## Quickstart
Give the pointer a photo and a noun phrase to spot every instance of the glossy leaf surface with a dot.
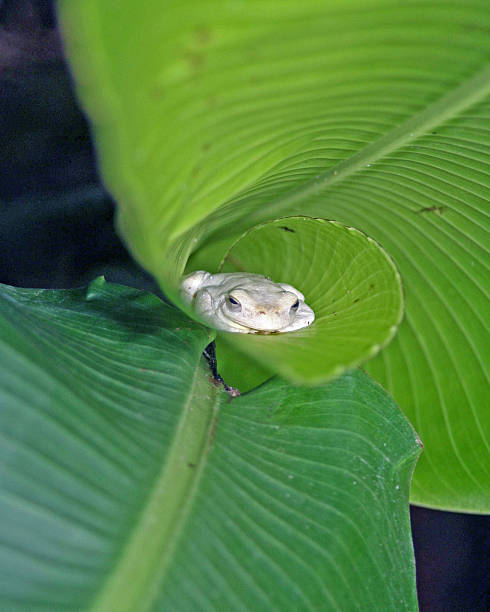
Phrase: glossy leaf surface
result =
(129, 482)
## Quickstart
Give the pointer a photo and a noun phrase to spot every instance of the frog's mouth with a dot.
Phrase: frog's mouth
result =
(263, 331)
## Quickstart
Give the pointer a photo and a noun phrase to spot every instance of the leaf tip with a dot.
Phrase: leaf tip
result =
(95, 287)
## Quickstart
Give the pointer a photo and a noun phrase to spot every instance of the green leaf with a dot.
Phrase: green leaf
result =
(129, 482)
(213, 117)
(348, 280)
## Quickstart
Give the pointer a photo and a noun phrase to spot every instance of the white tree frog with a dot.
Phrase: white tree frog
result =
(246, 303)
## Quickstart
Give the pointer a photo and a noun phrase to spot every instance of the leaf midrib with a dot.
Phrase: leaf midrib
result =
(138, 574)
(468, 93)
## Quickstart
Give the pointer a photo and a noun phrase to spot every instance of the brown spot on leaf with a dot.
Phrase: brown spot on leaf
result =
(235, 262)
(195, 59)
(435, 209)
(212, 433)
(202, 35)
(157, 91)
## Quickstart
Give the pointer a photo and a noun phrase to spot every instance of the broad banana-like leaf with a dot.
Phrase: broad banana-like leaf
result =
(213, 117)
(129, 482)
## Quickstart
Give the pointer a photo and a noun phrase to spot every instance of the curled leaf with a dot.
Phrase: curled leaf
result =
(350, 282)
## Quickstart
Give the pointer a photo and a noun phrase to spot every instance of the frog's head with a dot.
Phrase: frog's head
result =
(265, 308)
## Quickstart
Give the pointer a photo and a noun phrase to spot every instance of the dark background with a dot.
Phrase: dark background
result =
(57, 230)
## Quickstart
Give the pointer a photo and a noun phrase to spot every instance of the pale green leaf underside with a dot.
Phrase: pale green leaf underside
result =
(128, 482)
(372, 113)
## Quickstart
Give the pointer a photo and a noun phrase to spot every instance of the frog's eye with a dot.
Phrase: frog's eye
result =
(234, 303)
(295, 306)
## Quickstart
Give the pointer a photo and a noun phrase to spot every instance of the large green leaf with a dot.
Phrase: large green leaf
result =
(129, 482)
(214, 116)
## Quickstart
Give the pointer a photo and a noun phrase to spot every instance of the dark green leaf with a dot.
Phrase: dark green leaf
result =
(129, 482)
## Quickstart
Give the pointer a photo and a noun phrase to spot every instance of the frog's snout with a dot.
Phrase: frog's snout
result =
(270, 319)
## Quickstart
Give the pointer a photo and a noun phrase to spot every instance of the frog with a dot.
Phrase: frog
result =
(243, 302)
